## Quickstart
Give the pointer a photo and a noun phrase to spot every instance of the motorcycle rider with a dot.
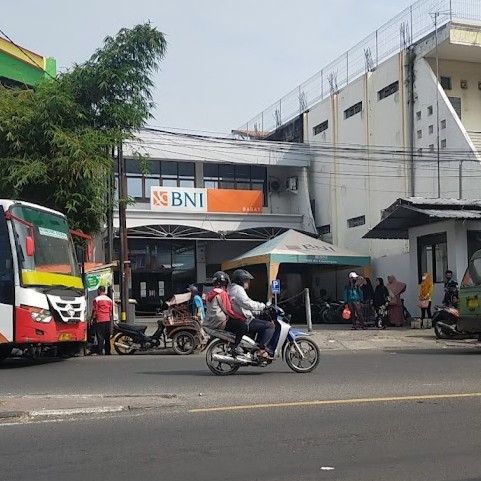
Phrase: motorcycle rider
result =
(248, 308)
(221, 315)
(450, 290)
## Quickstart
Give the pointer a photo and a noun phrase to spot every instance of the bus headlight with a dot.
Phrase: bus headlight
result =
(38, 314)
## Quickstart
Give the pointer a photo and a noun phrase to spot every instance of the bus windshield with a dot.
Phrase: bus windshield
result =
(54, 261)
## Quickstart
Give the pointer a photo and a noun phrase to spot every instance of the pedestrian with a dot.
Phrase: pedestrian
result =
(380, 302)
(426, 295)
(450, 290)
(102, 316)
(353, 298)
(197, 303)
(368, 296)
(395, 311)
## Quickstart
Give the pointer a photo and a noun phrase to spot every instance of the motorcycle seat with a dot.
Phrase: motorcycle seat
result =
(123, 326)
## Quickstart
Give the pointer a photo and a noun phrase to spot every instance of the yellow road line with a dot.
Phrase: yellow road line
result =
(423, 397)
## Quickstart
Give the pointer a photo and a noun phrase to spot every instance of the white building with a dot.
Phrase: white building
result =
(381, 127)
(175, 243)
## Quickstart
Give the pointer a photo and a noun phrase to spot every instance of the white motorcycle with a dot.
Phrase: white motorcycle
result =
(299, 351)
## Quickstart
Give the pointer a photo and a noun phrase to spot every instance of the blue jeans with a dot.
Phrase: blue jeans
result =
(265, 329)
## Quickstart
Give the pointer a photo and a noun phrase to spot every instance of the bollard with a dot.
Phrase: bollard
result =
(307, 300)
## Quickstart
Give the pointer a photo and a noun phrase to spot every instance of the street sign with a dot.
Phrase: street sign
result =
(276, 286)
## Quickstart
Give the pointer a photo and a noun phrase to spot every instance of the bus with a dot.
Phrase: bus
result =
(42, 297)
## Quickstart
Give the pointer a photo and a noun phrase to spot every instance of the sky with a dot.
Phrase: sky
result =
(226, 61)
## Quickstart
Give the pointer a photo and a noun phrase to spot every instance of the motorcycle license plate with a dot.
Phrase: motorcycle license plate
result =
(66, 336)
(473, 302)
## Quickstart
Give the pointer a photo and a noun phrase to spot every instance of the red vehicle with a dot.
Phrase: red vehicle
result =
(42, 301)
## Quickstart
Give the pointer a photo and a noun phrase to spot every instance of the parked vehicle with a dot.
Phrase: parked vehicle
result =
(182, 336)
(42, 301)
(299, 351)
(464, 322)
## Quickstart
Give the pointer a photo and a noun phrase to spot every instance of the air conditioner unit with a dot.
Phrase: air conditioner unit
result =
(275, 185)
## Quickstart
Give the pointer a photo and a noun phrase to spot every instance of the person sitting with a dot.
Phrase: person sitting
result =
(250, 309)
(221, 315)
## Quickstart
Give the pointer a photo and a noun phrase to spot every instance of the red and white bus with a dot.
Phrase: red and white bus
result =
(42, 298)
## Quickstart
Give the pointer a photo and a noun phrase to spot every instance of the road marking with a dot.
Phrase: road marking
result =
(424, 397)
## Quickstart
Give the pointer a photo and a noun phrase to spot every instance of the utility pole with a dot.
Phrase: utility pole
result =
(110, 211)
(436, 15)
(124, 257)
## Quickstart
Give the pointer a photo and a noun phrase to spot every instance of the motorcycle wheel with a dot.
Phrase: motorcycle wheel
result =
(183, 343)
(219, 346)
(439, 333)
(311, 353)
(127, 341)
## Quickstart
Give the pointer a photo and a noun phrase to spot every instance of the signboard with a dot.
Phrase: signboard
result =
(276, 287)
(173, 199)
(97, 279)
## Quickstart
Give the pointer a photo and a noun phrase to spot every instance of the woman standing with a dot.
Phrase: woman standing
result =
(353, 298)
(381, 301)
(426, 295)
(395, 312)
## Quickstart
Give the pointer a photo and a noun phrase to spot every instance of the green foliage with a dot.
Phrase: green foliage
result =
(55, 139)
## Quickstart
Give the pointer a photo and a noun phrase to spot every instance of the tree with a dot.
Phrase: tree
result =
(55, 138)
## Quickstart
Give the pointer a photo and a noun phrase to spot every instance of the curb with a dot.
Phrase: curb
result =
(74, 411)
(12, 414)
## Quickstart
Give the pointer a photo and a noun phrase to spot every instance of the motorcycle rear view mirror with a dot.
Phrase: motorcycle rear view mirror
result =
(30, 246)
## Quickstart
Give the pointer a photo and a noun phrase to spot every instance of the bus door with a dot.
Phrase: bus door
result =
(7, 288)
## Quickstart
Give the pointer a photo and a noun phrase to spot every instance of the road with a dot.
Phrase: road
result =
(398, 437)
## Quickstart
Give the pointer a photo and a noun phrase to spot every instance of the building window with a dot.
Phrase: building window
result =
(431, 129)
(324, 229)
(446, 83)
(321, 127)
(443, 124)
(353, 110)
(419, 134)
(433, 256)
(240, 177)
(474, 242)
(443, 143)
(431, 147)
(456, 103)
(430, 110)
(389, 90)
(356, 221)
(418, 115)
(140, 178)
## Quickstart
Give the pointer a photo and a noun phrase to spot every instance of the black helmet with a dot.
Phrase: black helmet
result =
(220, 278)
(240, 276)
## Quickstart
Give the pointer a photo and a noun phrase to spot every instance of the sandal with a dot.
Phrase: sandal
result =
(262, 353)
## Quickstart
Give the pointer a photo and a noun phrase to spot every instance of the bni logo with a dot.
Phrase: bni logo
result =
(160, 198)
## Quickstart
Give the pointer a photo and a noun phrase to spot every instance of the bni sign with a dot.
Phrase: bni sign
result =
(172, 199)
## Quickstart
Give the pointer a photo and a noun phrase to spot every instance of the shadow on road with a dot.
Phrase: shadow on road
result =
(17, 363)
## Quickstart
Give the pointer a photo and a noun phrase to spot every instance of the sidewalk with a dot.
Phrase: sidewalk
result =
(340, 337)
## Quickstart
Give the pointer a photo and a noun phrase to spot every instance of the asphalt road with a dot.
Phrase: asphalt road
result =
(395, 441)
(340, 375)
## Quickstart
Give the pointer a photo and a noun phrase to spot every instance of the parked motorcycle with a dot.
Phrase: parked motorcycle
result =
(444, 322)
(183, 337)
(299, 351)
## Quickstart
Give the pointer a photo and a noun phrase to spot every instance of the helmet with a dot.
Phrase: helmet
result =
(193, 289)
(220, 278)
(240, 276)
(353, 275)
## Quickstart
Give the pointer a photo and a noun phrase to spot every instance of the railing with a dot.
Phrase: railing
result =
(414, 23)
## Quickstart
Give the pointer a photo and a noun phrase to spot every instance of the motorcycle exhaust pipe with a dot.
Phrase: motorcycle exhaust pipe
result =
(447, 328)
(125, 346)
(229, 359)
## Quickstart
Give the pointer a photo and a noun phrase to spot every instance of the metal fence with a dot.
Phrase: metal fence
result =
(414, 23)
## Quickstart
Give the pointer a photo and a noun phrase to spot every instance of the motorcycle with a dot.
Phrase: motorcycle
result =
(300, 352)
(444, 322)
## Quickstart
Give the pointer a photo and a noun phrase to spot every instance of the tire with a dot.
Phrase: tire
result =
(183, 343)
(124, 339)
(326, 316)
(219, 346)
(308, 347)
(5, 351)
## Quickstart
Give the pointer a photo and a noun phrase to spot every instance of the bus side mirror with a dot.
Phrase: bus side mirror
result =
(30, 246)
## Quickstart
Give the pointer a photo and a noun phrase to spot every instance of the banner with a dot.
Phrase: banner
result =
(172, 199)
(100, 278)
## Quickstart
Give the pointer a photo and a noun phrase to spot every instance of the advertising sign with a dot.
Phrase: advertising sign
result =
(172, 199)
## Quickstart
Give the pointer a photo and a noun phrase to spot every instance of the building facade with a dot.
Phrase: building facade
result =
(198, 202)
(397, 116)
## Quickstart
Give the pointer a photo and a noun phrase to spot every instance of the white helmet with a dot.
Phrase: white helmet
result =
(353, 275)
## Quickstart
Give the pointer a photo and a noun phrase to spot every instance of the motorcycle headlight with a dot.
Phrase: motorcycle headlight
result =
(38, 314)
